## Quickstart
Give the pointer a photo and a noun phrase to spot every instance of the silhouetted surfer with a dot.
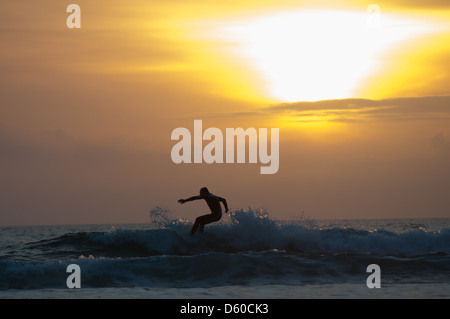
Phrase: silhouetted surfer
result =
(213, 202)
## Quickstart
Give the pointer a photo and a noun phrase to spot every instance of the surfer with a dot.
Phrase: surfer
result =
(213, 202)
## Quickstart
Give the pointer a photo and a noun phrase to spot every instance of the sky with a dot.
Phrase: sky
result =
(359, 91)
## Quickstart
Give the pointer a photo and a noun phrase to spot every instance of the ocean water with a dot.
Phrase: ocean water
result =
(249, 255)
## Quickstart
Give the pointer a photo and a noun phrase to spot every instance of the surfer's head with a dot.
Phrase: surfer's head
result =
(204, 191)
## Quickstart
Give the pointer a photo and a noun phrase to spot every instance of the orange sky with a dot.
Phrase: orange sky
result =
(86, 115)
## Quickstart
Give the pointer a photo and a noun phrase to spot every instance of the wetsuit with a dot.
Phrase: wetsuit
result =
(213, 202)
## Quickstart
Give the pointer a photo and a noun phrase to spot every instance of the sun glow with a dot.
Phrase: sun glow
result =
(315, 55)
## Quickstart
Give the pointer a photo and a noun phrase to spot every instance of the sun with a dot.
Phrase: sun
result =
(312, 55)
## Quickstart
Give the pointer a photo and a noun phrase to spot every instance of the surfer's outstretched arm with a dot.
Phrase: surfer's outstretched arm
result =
(182, 201)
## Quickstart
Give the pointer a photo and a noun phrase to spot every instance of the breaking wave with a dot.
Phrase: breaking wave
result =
(251, 249)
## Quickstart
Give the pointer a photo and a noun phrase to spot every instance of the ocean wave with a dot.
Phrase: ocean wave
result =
(249, 230)
(251, 249)
(215, 269)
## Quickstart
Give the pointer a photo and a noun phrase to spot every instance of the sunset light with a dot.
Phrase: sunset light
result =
(225, 150)
(314, 54)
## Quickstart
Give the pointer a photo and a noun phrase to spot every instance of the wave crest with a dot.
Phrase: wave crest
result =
(247, 230)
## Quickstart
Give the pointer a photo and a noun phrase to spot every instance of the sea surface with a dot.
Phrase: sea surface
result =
(249, 255)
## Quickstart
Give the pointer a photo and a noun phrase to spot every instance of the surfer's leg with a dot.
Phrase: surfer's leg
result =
(200, 221)
(208, 219)
(194, 228)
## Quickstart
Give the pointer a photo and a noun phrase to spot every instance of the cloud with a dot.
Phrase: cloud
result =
(432, 4)
(358, 110)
